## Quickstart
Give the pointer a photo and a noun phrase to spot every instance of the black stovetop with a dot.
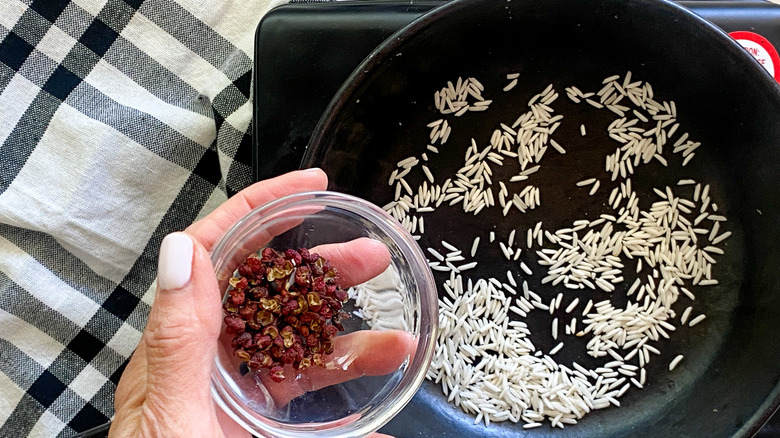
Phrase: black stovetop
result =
(305, 51)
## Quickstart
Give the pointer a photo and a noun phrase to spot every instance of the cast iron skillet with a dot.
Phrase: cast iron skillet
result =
(727, 384)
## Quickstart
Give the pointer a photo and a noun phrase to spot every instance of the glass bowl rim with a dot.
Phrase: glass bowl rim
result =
(381, 412)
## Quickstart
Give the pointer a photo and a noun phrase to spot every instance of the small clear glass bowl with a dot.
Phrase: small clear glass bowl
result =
(388, 341)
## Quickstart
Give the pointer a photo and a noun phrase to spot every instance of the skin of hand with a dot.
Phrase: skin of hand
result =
(165, 389)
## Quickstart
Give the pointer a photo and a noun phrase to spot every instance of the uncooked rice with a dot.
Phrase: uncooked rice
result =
(485, 359)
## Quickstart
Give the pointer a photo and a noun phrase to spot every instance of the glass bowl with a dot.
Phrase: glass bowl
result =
(379, 360)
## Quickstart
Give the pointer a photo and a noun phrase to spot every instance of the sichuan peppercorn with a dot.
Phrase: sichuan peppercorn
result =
(283, 308)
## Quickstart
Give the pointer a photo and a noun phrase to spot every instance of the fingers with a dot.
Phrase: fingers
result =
(179, 343)
(132, 386)
(211, 228)
(229, 427)
(362, 353)
(165, 389)
(357, 261)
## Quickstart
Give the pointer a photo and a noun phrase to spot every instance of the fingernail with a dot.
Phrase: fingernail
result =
(174, 267)
(313, 170)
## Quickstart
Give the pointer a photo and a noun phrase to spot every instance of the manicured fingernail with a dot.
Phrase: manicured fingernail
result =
(174, 267)
(313, 170)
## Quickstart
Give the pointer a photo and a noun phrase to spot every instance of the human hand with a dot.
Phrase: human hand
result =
(165, 389)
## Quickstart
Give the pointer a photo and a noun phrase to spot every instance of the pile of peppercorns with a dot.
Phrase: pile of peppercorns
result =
(284, 308)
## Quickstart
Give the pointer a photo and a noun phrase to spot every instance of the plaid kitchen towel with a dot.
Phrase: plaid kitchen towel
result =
(120, 122)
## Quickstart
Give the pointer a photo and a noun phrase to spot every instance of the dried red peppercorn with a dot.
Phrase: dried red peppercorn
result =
(243, 340)
(277, 373)
(235, 324)
(284, 308)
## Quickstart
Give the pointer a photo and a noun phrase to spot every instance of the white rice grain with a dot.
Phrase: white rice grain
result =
(697, 320)
(594, 188)
(675, 361)
(474, 246)
(572, 305)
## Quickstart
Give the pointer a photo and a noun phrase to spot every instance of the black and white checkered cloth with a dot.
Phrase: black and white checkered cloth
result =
(120, 122)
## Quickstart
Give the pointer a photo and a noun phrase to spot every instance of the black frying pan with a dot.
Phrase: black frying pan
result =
(728, 382)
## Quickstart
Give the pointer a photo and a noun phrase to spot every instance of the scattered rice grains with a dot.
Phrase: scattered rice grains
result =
(486, 361)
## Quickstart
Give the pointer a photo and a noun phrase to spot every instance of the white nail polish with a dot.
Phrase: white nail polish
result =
(174, 267)
(313, 170)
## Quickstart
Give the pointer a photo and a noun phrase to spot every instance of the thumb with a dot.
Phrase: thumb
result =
(184, 323)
